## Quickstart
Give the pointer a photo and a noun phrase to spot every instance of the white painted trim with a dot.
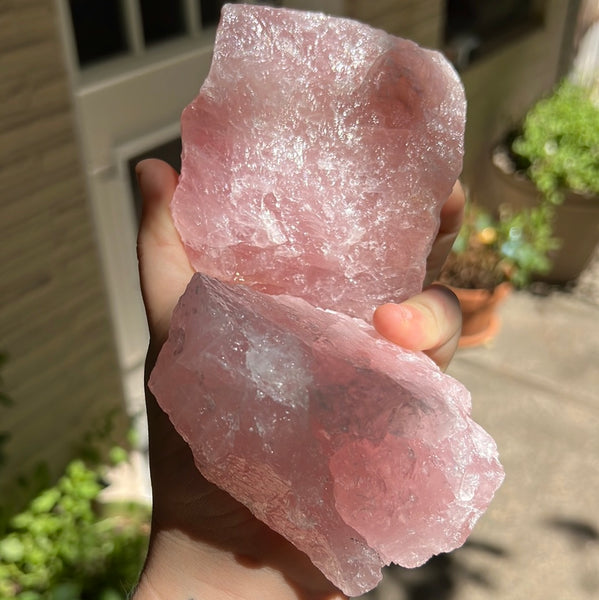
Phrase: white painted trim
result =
(133, 26)
(66, 32)
(126, 151)
(116, 228)
(121, 115)
(192, 17)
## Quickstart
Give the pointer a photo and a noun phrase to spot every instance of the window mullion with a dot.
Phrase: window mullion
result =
(134, 27)
(192, 17)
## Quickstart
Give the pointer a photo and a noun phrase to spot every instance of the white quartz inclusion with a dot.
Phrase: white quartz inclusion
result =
(278, 367)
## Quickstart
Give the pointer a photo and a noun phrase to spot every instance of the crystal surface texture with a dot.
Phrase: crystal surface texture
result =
(316, 158)
(357, 451)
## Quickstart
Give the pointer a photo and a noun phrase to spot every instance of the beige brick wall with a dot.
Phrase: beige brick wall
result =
(62, 370)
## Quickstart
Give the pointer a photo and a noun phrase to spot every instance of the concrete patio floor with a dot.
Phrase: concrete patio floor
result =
(536, 390)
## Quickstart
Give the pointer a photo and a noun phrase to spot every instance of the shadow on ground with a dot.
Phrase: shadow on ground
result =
(437, 579)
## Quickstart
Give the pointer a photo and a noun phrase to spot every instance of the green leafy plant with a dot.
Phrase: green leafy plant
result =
(558, 145)
(68, 546)
(489, 251)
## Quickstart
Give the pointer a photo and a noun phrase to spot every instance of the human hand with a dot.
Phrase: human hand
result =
(204, 544)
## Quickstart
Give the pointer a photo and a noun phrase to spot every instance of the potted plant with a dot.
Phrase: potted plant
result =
(491, 256)
(553, 162)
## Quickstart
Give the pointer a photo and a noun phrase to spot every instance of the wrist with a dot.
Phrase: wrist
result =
(179, 567)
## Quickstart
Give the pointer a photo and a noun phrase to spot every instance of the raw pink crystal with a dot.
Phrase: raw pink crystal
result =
(316, 158)
(359, 452)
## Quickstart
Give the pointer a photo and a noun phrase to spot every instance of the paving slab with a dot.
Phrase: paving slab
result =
(536, 390)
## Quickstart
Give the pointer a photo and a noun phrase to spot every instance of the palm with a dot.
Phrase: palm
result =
(183, 500)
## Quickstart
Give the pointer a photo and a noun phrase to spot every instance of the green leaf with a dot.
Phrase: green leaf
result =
(45, 502)
(66, 591)
(111, 594)
(560, 141)
(11, 549)
(29, 595)
(118, 455)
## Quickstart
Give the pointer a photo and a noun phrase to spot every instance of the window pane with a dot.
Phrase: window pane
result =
(99, 30)
(210, 11)
(476, 27)
(161, 20)
(484, 17)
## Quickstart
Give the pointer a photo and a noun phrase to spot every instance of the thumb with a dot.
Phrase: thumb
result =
(430, 322)
(164, 269)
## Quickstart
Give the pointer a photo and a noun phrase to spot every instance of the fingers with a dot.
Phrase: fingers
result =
(452, 214)
(163, 265)
(430, 322)
(452, 211)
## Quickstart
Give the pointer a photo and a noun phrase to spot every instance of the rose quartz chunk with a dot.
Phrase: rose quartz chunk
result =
(357, 451)
(316, 158)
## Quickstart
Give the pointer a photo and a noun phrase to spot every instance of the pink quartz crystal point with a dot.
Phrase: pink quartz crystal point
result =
(316, 158)
(357, 451)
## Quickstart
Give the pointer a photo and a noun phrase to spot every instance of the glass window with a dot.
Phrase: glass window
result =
(210, 12)
(161, 20)
(98, 28)
(476, 27)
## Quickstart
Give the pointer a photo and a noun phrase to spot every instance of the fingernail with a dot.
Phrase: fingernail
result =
(403, 312)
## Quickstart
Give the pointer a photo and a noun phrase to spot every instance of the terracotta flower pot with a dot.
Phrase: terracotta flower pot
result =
(480, 321)
(576, 219)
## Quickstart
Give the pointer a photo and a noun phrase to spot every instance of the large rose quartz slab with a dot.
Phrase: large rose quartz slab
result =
(357, 451)
(316, 158)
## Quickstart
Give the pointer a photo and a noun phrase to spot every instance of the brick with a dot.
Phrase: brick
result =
(25, 100)
(25, 22)
(50, 162)
(64, 194)
(22, 139)
(42, 58)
